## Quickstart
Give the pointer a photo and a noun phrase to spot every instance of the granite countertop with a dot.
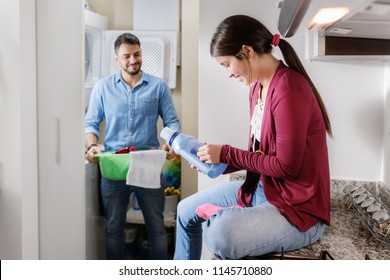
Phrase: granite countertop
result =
(347, 238)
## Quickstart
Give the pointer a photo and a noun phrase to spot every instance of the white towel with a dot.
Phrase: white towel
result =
(145, 168)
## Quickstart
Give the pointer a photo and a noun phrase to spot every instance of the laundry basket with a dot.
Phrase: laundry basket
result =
(114, 166)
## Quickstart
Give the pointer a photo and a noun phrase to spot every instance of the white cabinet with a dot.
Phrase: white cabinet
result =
(42, 155)
(327, 48)
(59, 43)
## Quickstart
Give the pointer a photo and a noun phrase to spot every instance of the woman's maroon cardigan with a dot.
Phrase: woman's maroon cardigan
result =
(294, 168)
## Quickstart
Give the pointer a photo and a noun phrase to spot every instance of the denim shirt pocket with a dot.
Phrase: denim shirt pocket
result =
(147, 106)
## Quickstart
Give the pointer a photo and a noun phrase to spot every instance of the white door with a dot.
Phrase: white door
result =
(60, 84)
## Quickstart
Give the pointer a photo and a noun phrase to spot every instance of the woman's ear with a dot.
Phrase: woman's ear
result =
(247, 50)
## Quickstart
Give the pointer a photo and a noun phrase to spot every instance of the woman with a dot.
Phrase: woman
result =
(284, 202)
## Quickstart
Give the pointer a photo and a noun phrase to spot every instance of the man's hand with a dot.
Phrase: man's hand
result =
(170, 152)
(90, 155)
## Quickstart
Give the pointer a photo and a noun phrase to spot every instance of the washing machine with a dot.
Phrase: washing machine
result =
(95, 25)
(159, 52)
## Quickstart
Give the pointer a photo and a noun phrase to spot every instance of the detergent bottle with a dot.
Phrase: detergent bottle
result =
(187, 147)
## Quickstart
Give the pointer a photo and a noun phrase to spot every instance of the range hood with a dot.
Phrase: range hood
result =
(291, 15)
(365, 31)
(367, 18)
(370, 20)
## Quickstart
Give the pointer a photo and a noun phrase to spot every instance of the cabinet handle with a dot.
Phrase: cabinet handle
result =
(57, 140)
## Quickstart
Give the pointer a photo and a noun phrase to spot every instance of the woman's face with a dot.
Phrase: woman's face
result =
(237, 68)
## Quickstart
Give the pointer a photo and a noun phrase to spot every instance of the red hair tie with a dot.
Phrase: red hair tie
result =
(275, 40)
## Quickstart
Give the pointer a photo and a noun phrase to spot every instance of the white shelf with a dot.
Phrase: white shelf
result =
(136, 217)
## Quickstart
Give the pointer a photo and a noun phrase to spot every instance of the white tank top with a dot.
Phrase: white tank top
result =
(256, 121)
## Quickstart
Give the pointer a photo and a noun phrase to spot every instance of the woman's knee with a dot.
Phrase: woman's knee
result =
(220, 237)
(186, 207)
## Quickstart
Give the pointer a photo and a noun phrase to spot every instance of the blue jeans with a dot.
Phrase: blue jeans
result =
(116, 196)
(233, 233)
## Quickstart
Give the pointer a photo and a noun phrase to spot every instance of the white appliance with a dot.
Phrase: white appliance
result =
(159, 52)
(95, 25)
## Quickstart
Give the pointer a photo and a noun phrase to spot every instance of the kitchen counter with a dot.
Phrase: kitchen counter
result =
(347, 238)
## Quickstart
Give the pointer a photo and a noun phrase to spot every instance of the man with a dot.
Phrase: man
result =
(131, 102)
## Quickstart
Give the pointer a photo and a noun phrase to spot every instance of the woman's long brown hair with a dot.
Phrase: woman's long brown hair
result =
(239, 30)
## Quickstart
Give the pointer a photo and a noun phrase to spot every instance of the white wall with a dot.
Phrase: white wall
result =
(355, 104)
(118, 12)
(189, 86)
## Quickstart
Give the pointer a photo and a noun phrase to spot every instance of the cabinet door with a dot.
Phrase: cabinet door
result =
(60, 106)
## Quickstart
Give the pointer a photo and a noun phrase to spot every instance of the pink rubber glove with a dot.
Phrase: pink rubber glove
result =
(205, 211)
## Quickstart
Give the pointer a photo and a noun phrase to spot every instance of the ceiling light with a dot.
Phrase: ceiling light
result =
(326, 16)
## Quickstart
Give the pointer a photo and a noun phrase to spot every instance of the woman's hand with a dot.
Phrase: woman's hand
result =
(209, 153)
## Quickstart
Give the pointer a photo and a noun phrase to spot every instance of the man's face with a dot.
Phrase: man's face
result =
(129, 57)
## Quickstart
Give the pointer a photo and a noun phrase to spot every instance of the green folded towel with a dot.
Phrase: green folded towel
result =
(114, 166)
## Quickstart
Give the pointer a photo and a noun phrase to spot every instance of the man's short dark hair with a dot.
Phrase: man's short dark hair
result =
(126, 38)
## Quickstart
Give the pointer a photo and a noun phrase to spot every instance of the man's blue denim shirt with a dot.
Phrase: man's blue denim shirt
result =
(130, 114)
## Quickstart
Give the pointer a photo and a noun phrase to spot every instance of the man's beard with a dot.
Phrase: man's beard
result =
(132, 72)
